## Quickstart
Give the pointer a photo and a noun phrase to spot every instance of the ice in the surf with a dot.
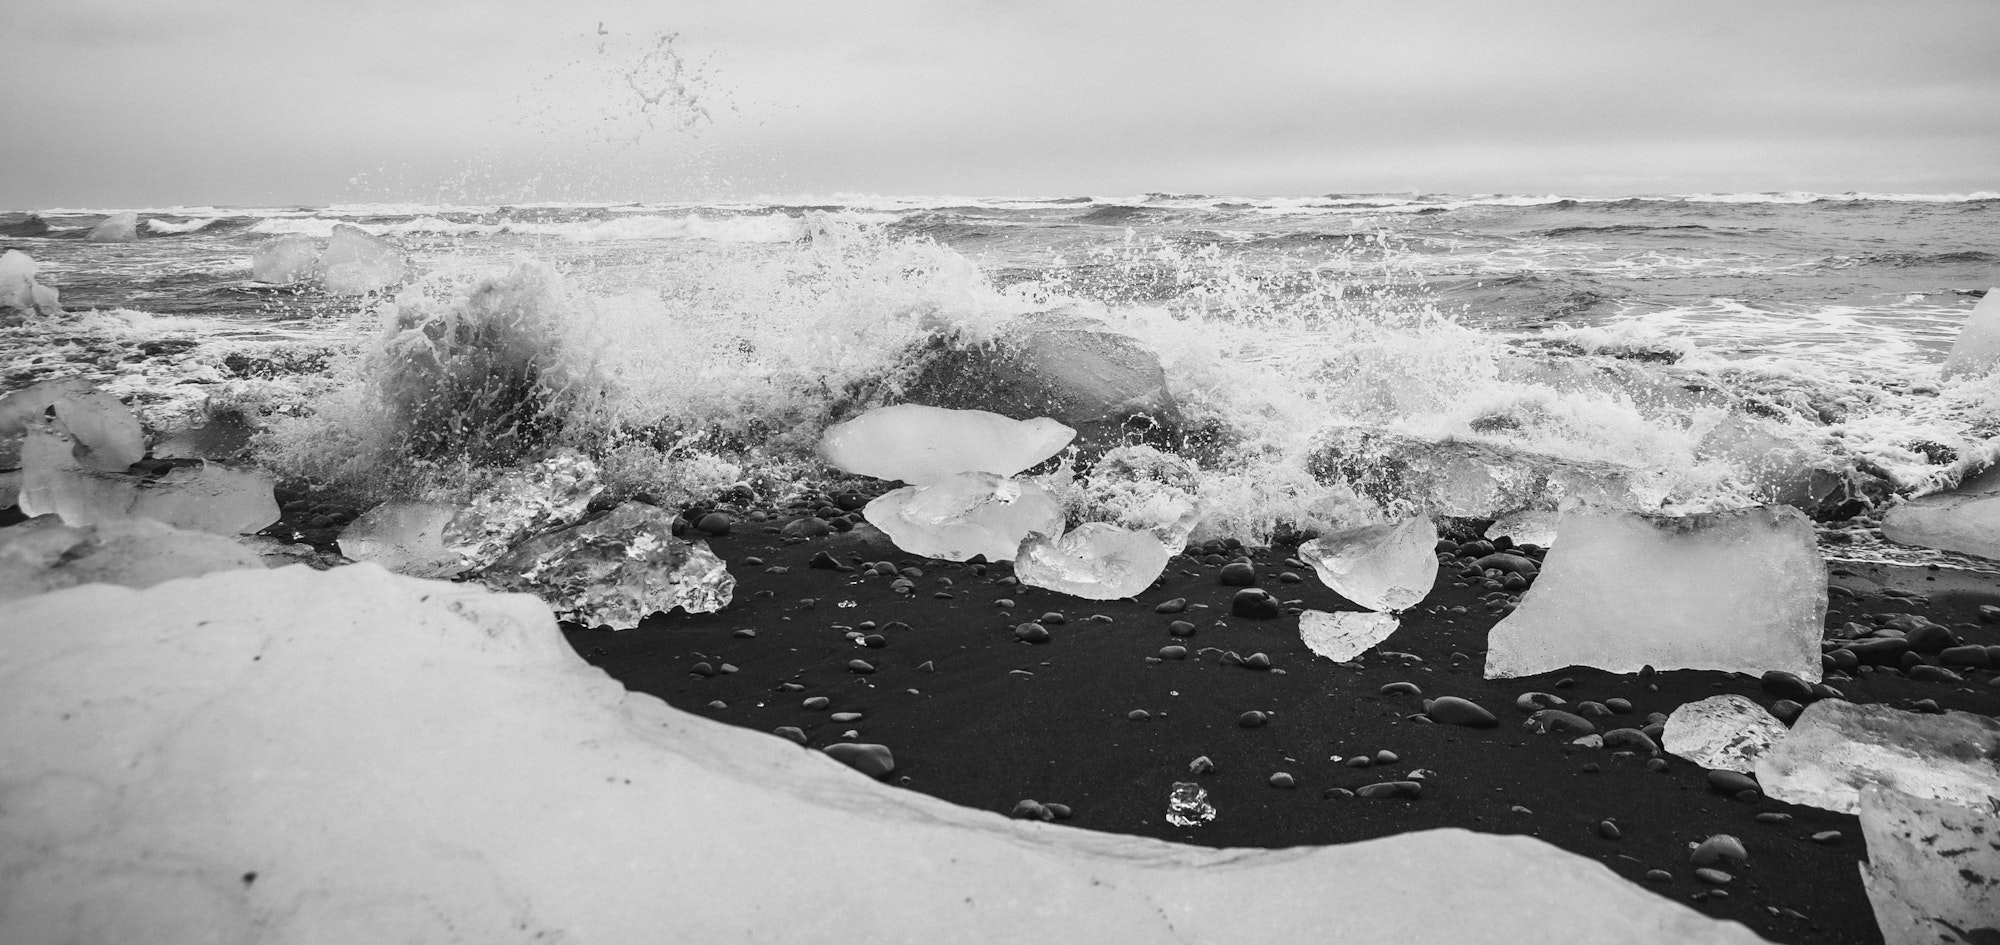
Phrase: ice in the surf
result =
(121, 227)
(1836, 748)
(1385, 568)
(1728, 732)
(285, 260)
(196, 495)
(20, 294)
(105, 434)
(533, 498)
(966, 514)
(1965, 519)
(1977, 349)
(356, 262)
(1739, 591)
(617, 568)
(1933, 869)
(406, 536)
(42, 554)
(1139, 487)
(1095, 561)
(922, 445)
(1474, 478)
(1343, 635)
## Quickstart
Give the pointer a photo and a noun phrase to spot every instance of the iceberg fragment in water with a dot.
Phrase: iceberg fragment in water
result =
(120, 227)
(922, 445)
(1384, 568)
(42, 554)
(393, 748)
(535, 498)
(971, 513)
(1977, 349)
(616, 569)
(196, 495)
(1141, 488)
(1933, 870)
(1343, 635)
(105, 434)
(1740, 591)
(405, 536)
(285, 260)
(1729, 732)
(1094, 561)
(1472, 478)
(1965, 520)
(356, 263)
(19, 292)
(1836, 748)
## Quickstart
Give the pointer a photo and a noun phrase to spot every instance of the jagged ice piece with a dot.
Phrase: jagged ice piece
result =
(406, 537)
(923, 445)
(356, 263)
(19, 292)
(1094, 561)
(199, 496)
(1741, 591)
(535, 498)
(417, 761)
(1343, 635)
(1141, 488)
(616, 569)
(1728, 732)
(971, 513)
(1933, 869)
(1836, 748)
(42, 554)
(1977, 349)
(285, 260)
(1384, 568)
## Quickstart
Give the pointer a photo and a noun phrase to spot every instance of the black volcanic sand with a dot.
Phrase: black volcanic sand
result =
(995, 720)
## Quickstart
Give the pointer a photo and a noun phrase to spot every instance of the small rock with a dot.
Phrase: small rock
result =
(1453, 710)
(1333, 792)
(1383, 789)
(1061, 811)
(1560, 722)
(1786, 711)
(1138, 715)
(1257, 661)
(1401, 689)
(1929, 673)
(1619, 706)
(1828, 837)
(1173, 652)
(702, 669)
(1031, 810)
(1786, 685)
(1730, 782)
(1718, 848)
(874, 761)
(791, 732)
(1282, 780)
(1532, 702)
(715, 523)
(1032, 633)
(1714, 876)
(1238, 574)
(1631, 739)
(1386, 757)
(1053, 619)
(827, 562)
(1181, 628)
(860, 666)
(1201, 765)
(1255, 604)
(1175, 606)
(1659, 876)
(1773, 817)
(1609, 830)
(816, 703)
(1252, 719)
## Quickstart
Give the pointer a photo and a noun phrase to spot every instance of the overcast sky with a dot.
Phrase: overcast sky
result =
(136, 103)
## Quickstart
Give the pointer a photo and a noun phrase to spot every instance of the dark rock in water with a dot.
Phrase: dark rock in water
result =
(1453, 710)
(874, 761)
(1105, 385)
(1238, 574)
(1255, 604)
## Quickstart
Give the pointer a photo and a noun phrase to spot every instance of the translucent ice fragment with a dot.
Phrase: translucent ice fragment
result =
(1836, 748)
(356, 263)
(106, 434)
(1475, 478)
(1741, 591)
(285, 260)
(1095, 561)
(1977, 349)
(1141, 488)
(1188, 806)
(1344, 635)
(1933, 870)
(616, 569)
(406, 537)
(43, 554)
(121, 227)
(196, 495)
(1527, 527)
(19, 292)
(546, 495)
(1728, 732)
(1385, 568)
(922, 445)
(1966, 519)
(967, 514)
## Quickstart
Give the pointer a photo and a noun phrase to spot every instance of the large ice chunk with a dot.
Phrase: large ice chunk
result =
(1141, 488)
(405, 536)
(1933, 870)
(1977, 349)
(971, 513)
(1966, 519)
(1343, 635)
(1729, 732)
(42, 554)
(1385, 568)
(1095, 561)
(195, 495)
(1836, 748)
(922, 445)
(356, 263)
(616, 569)
(400, 760)
(534, 498)
(19, 292)
(106, 433)
(1741, 591)
(120, 227)
(285, 260)
(1474, 478)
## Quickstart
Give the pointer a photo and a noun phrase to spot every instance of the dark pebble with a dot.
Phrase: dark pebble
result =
(1032, 633)
(1138, 715)
(1786, 685)
(1973, 656)
(1173, 652)
(1561, 723)
(1333, 792)
(1718, 848)
(1730, 782)
(1453, 710)
(1031, 810)
(1828, 837)
(827, 562)
(874, 641)
(1786, 711)
(1929, 673)
(1930, 638)
(1619, 706)
(1382, 789)
(1061, 811)
(1282, 780)
(860, 666)
(1534, 701)
(1257, 661)
(1717, 877)
(1181, 628)
(715, 523)
(791, 732)
(1773, 817)
(816, 703)
(1631, 739)
(1255, 604)
(1386, 757)
(872, 760)
(1609, 830)
(1593, 710)
(1238, 574)
(1053, 619)
(1252, 719)
(702, 669)
(1174, 606)
(1401, 689)
(1659, 876)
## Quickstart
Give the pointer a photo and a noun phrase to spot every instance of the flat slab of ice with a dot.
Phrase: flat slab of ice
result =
(42, 554)
(967, 514)
(921, 445)
(1384, 568)
(1965, 520)
(1837, 748)
(1977, 349)
(1727, 732)
(1094, 561)
(1933, 870)
(206, 497)
(1343, 635)
(1741, 591)
(400, 760)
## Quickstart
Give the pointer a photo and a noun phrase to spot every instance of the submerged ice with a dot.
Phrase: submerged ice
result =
(1727, 732)
(922, 445)
(1385, 568)
(1741, 591)
(967, 514)
(63, 475)
(1837, 748)
(1965, 519)
(1095, 561)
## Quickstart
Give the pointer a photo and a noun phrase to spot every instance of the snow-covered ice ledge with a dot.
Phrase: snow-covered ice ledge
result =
(354, 756)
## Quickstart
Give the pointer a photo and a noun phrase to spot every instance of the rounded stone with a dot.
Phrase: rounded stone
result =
(1560, 722)
(1730, 782)
(1716, 877)
(1717, 849)
(1138, 715)
(1401, 689)
(1536, 701)
(1631, 739)
(1387, 789)
(1255, 604)
(1257, 661)
(1786, 685)
(1282, 779)
(1173, 652)
(1174, 606)
(1238, 574)
(1453, 710)
(716, 523)
(1032, 633)
(790, 732)
(874, 761)
(1031, 810)
(1252, 719)
(862, 667)
(1180, 628)
(1659, 876)
(816, 703)
(1609, 830)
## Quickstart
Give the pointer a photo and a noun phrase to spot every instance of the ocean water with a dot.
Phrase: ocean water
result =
(703, 345)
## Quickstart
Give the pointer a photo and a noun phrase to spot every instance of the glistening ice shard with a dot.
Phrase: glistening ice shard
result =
(973, 513)
(1095, 561)
(1384, 568)
(1344, 635)
(922, 445)
(1741, 591)
(616, 569)
(1728, 732)
(1837, 748)
(1933, 870)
